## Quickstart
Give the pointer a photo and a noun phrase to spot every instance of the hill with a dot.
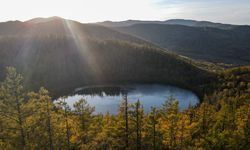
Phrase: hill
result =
(55, 26)
(61, 58)
(210, 44)
(191, 23)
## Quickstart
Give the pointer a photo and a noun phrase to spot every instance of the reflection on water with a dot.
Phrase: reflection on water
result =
(107, 98)
(104, 90)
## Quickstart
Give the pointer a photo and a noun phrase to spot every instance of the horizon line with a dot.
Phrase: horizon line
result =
(117, 21)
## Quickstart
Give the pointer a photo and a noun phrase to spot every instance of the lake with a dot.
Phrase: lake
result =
(107, 98)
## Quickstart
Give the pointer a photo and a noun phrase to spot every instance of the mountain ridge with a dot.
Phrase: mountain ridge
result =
(230, 46)
(185, 22)
(60, 26)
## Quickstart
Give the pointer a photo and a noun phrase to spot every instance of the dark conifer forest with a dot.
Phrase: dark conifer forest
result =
(54, 57)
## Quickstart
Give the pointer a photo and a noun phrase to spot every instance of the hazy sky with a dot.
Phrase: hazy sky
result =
(226, 11)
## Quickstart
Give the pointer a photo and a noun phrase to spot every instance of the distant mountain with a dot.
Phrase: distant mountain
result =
(62, 55)
(230, 46)
(192, 23)
(126, 23)
(61, 27)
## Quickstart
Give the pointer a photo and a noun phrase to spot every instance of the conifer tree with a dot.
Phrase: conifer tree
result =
(83, 112)
(13, 109)
(137, 117)
(169, 120)
(41, 119)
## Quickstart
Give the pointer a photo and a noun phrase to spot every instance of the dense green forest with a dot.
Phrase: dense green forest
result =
(31, 120)
(197, 42)
(61, 55)
(61, 64)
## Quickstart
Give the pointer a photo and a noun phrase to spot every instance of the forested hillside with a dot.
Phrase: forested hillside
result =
(30, 120)
(55, 26)
(210, 44)
(57, 62)
(62, 58)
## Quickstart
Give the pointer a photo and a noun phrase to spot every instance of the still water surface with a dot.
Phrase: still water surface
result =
(107, 98)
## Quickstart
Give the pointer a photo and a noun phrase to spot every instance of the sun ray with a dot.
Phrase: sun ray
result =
(81, 42)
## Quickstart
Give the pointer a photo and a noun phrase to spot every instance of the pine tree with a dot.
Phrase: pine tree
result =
(137, 117)
(122, 125)
(65, 111)
(41, 119)
(153, 136)
(169, 120)
(106, 138)
(13, 111)
(83, 112)
(126, 119)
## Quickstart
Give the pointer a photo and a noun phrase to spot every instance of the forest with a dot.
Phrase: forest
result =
(60, 63)
(31, 120)
(197, 42)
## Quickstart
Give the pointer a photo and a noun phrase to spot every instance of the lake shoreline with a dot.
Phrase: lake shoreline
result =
(107, 98)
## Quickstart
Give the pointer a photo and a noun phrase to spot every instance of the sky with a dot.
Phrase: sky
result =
(224, 11)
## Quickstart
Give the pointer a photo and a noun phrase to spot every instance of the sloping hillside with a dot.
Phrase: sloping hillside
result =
(210, 44)
(62, 60)
(56, 26)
